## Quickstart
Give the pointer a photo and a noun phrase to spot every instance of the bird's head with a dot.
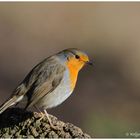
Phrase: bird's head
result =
(75, 58)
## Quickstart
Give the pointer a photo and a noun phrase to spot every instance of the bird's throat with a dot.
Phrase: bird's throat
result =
(73, 72)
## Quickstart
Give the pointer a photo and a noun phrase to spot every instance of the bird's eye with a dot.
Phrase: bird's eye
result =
(77, 56)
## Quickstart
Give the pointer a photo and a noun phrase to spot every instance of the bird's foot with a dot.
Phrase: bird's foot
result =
(39, 115)
(54, 127)
(42, 115)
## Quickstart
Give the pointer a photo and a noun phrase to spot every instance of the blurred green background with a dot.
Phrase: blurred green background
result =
(106, 100)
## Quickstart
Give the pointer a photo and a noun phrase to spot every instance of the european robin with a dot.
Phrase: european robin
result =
(50, 82)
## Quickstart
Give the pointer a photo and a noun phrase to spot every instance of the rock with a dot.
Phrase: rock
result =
(18, 123)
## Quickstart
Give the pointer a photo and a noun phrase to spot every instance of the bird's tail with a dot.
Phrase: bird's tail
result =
(18, 95)
(9, 103)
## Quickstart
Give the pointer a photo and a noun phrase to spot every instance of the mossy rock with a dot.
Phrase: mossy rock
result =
(18, 123)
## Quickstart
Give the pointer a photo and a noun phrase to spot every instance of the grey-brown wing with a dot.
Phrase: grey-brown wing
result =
(43, 79)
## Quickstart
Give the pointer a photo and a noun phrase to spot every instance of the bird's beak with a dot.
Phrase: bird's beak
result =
(90, 63)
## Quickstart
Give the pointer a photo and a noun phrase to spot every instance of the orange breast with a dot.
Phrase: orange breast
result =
(74, 67)
(73, 74)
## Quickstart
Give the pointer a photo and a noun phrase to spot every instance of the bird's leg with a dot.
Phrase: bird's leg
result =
(47, 115)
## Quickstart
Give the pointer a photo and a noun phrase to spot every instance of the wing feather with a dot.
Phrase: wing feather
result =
(43, 79)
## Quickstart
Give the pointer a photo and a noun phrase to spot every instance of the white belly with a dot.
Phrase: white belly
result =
(59, 95)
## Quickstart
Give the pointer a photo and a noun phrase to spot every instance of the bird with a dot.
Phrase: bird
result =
(50, 82)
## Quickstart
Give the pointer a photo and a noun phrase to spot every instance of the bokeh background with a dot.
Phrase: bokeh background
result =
(106, 100)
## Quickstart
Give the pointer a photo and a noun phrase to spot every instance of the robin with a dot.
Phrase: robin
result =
(50, 82)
